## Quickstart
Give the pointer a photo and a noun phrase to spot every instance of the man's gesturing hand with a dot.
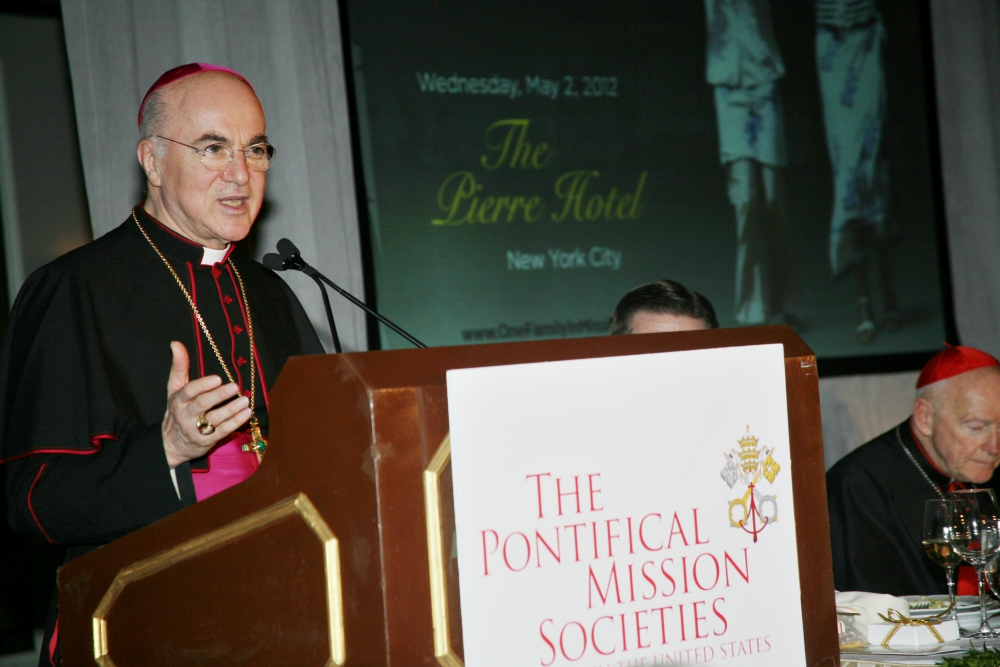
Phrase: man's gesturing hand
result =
(186, 400)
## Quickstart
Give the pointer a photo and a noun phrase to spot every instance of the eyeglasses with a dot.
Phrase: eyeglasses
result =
(218, 156)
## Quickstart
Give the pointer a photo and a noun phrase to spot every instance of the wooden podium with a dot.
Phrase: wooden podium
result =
(322, 557)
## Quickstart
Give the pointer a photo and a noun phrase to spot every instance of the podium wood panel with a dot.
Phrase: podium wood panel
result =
(352, 434)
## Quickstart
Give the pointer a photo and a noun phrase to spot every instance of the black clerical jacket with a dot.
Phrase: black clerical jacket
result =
(876, 497)
(83, 376)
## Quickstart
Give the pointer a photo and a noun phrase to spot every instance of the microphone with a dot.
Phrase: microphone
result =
(288, 249)
(277, 262)
(291, 258)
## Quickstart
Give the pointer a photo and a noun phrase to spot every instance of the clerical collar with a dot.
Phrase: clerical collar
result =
(179, 248)
(212, 256)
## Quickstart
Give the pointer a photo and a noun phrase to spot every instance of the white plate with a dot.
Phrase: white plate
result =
(969, 620)
(953, 648)
(962, 603)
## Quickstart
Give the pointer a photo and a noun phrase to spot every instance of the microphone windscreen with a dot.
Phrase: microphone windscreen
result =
(287, 248)
(274, 261)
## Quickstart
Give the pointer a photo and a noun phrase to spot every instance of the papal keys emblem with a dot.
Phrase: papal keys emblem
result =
(755, 511)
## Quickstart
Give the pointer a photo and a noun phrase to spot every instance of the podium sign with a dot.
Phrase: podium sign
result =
(627, 510)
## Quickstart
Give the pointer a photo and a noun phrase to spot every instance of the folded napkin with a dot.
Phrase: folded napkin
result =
(870, 605)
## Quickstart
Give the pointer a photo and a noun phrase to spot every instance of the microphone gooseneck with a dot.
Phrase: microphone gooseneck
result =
(329, 315)
(291, 258)
(284, 261)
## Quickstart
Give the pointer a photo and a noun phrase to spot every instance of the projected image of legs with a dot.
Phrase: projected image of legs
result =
(744, 66)
(853, 89)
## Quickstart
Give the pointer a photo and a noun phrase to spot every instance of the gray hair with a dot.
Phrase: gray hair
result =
(928, 391)
(154, 114)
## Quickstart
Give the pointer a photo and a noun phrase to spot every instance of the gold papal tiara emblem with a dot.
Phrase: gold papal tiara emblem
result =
(746, 466)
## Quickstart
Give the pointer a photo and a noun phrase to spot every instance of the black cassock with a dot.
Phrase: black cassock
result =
(876, 497)
(85, 362)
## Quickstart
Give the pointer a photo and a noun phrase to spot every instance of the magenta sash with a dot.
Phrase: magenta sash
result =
(228, 465)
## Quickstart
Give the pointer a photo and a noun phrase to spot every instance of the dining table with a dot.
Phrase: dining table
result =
(879, 657)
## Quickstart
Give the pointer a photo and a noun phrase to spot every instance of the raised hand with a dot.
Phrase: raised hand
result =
(200, 412)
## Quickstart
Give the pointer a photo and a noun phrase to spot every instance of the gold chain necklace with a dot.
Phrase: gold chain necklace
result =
(913, 460)
(259, 445)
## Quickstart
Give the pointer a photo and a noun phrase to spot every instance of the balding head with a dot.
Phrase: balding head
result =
(957, 421)
(208, 111)
(155, 106)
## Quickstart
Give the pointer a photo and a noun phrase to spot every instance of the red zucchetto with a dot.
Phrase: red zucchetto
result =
(954, 360)
(182, 71)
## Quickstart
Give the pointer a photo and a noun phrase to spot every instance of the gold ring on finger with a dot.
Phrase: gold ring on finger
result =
(204, 426)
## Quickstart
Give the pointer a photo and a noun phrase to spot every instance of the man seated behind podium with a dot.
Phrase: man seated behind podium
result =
(135, 370)
(663, 305)
(876, 493)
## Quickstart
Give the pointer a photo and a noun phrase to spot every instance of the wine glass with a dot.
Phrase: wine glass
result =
(937, 528)
(975, 535)
(991, 578)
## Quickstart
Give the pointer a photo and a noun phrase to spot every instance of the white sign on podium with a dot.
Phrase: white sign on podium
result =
(626, 511)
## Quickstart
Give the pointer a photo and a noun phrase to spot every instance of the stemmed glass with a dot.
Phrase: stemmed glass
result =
(937, 528)
(975, 535)
(991, 579)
